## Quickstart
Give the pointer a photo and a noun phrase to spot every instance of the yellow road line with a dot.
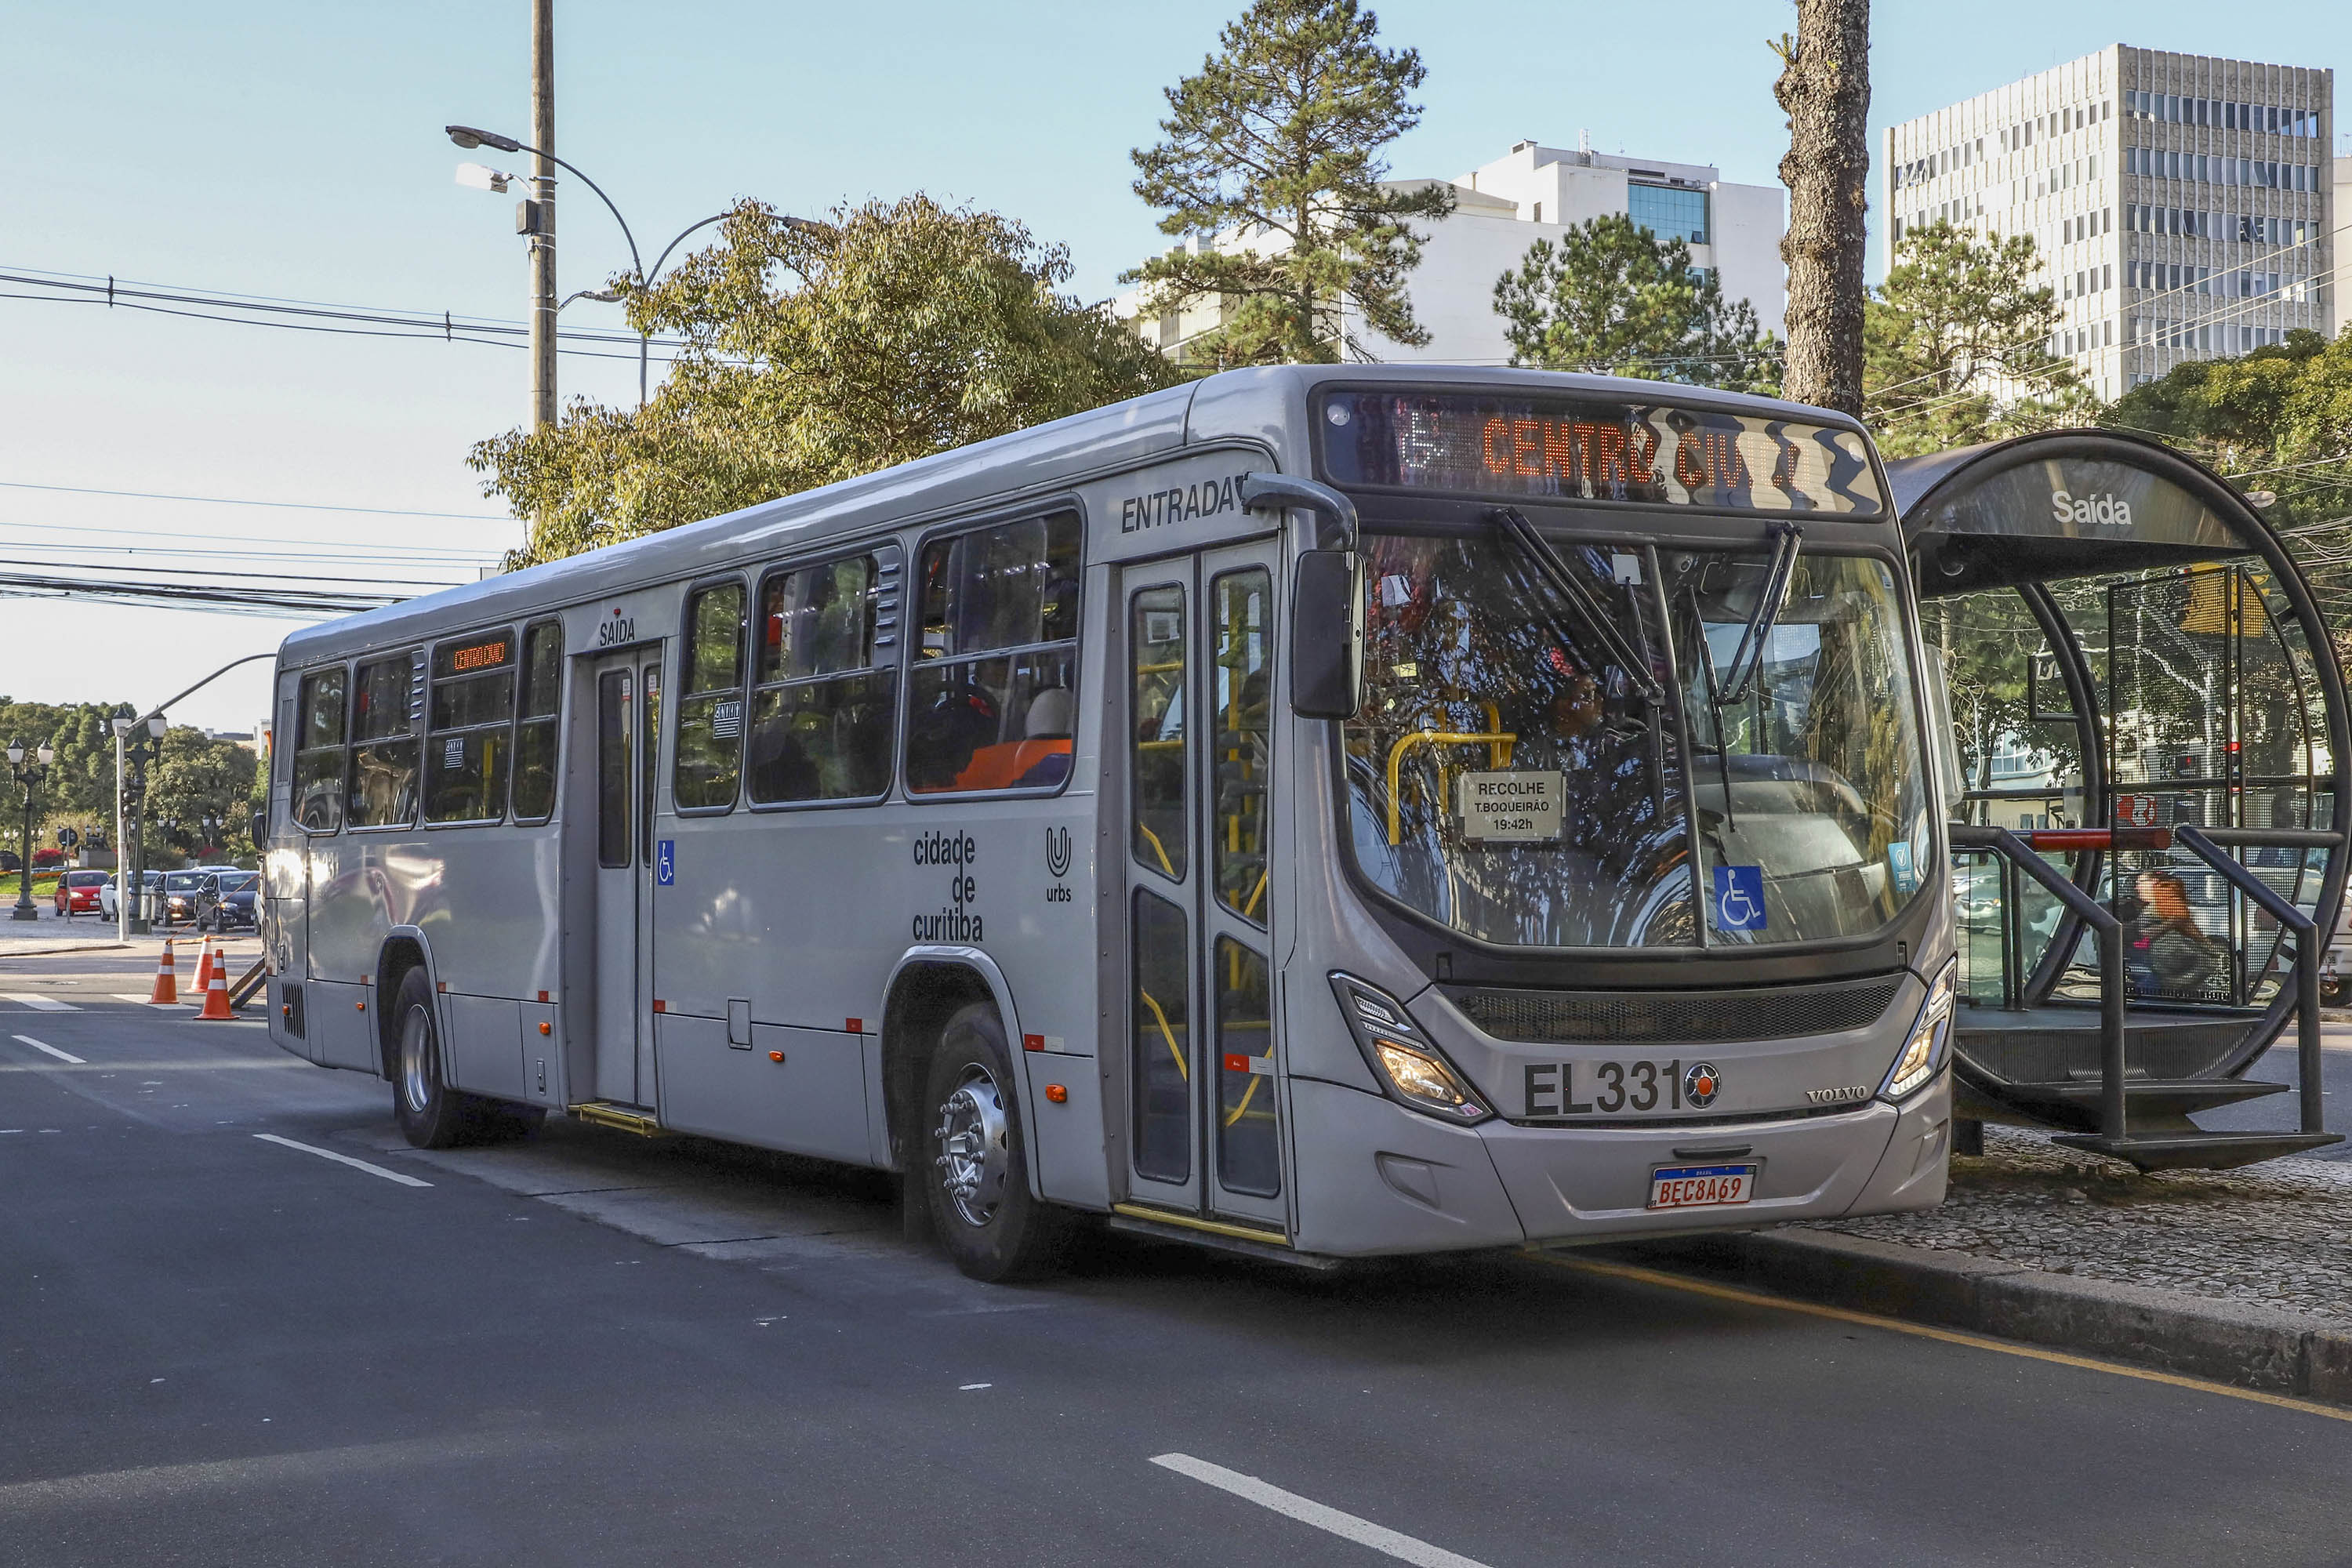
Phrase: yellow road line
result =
(1923, 1331)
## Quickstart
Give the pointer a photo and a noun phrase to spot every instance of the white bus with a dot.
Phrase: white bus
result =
(1322, 811)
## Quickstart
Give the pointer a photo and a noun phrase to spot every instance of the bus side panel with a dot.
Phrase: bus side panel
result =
(349, 920)
(1067, 1135)
(486, 1046)
(486, 905)
(811, 1103)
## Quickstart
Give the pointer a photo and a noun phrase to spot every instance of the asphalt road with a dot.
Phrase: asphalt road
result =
(587, 1348)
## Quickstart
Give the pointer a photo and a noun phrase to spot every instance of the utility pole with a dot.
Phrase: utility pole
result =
(542, 238)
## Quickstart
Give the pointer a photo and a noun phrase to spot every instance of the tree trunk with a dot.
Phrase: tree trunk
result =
(1825, 89)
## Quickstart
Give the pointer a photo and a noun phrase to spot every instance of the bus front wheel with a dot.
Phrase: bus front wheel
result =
(975, 1156)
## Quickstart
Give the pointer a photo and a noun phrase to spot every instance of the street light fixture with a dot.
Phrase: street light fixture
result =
(471, 136)
(27, 775)
(482, 177)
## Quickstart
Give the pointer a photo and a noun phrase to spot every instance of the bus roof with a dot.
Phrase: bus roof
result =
(1264, 404)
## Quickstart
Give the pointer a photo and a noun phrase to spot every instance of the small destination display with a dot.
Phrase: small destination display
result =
(1513, 806)
(469, 659)
(1554, 449)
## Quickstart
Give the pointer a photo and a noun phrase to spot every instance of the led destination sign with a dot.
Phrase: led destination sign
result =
(1554, 449)
(465, 658)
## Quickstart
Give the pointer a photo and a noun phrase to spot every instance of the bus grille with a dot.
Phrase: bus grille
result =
(1697, 1017)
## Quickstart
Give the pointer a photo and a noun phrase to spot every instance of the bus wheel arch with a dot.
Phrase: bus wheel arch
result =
(402, 952)
(925, 992)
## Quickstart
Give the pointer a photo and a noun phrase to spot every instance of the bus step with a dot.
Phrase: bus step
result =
(2166, 1096)
(625, 1117)
(1248, 1240)
(2197, 1151)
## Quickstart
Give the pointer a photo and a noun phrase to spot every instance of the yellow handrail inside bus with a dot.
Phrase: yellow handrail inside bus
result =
(1498, 743)
(1157, 848)
(1166, 1033)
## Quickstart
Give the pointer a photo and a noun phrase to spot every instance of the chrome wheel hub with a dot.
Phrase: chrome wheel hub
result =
(416, 1060)
(975, 1147)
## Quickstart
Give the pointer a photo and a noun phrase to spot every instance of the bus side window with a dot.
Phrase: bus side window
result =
(1156, 670)
(470, 721)
(383, 788)
(710, 757)
(535, 731)
(318, 751)
(1243, 743)
(821, 710)
(991, 705)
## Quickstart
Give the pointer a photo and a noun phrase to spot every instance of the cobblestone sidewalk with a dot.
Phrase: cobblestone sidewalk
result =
(2277, 1234)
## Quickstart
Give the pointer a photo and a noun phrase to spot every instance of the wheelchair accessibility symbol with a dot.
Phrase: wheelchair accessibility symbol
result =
(1739, 897)
(665, 863)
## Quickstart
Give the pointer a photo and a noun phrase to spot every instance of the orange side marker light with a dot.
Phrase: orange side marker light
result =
(775, 1056)
(545, 1028)
(1057, 1094)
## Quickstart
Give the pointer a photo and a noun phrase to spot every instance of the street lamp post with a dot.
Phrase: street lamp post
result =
(27, 774)
(135, 742)
(469, 136)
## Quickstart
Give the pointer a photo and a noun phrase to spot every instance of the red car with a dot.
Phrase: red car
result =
(78, 892)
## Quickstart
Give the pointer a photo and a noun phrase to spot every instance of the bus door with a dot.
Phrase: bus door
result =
(1203, 1108)
(627, 716)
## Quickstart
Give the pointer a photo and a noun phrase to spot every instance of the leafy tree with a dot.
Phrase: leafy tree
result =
(815, 353)
(1824, 88)
(1957, 343)
(194, 777)
(1616, 299)
(1272, 167)
(79, 790)
(2277, 419)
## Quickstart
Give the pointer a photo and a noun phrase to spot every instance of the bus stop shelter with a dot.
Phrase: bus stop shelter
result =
(2148, 758)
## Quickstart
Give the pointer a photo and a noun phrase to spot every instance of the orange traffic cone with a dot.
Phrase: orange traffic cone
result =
(167, 985)
(217, 999)
(205, 967)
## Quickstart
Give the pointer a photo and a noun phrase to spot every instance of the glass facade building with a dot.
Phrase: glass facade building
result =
(2180, 203)
(1670, 212)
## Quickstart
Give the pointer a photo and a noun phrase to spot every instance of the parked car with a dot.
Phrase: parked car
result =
(78, 892)
(183, 897)
(234, 895)
(108, 902)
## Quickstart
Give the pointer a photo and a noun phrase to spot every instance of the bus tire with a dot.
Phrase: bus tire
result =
(431, 1115)
(974, 1157)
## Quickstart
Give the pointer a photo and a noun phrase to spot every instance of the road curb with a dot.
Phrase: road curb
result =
(43, 950)
(2240, 1343)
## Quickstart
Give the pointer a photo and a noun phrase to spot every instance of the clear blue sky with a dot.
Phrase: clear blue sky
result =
(295, 149)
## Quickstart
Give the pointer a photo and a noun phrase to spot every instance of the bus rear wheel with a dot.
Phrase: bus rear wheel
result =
(976, 1158)
(431, 1115)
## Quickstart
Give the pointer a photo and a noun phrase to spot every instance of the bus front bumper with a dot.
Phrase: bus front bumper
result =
(1385, 1179)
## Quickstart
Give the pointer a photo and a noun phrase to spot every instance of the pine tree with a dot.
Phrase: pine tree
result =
(1271, 170)
(1614, 299)
(1957, 343)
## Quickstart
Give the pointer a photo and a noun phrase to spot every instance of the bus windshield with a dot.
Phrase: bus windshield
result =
(1509, 781)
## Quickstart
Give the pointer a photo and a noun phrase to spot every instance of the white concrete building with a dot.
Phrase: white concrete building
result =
(1534, 193)
(2181, 202)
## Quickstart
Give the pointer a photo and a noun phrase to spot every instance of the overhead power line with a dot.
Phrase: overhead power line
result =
(242, 500)
(63, 288)
(258, 599)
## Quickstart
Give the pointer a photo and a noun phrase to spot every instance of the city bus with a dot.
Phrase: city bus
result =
(1314, 811)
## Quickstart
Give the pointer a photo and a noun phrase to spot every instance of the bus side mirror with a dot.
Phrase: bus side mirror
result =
(260, 827)
(1325, 646)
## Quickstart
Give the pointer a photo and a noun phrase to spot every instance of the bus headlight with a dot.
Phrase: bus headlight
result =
(1415, 1073)
(1930, 1038)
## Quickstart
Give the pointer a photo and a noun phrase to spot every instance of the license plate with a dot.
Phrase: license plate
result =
(1701, 1187)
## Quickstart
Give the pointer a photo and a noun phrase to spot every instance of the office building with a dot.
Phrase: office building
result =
(2181, 203)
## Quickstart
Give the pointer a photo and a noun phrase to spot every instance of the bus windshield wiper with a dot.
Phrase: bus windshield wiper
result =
(1749, 657)
(1583, 608)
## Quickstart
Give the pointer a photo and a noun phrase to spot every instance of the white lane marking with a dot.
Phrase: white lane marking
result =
(61, 1055)
(145, 998)
(40, 1004)
(233, 1065)
(342, 1160)
(1346, 1526)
